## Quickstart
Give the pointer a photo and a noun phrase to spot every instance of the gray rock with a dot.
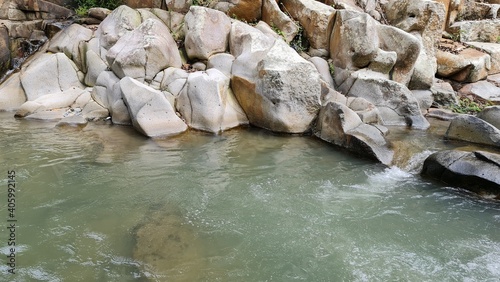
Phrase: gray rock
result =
(469, 65)
(492, 49)
(339, 125)
(48, 74)
(316, 18)
(108, 94)
(50, 102)
(482, 89)
(395, 102)
(99, 13)
(152, 114)
(278, 20)
(67, 41)
(144, 52)
(473, 129)
(174, 80)
(73, 121)
(95, 65)
(491, 115)
(94, 112)
(424, 98)
(207, 32)
(475, 171)
(443, 94)
(121, 21)
(323, 68)
(222, 62)
(278, 89)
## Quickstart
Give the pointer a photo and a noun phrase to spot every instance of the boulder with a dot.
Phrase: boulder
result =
(443, 94)
(4, 50)
(179, 6)
(99, 13)
(473, 129)
(423, 19)
(278, 20)
(108, 94)
(11, 93)
(396, 104)
(424, 98)
(245, 10)
(95, 65)
(477, 31)
(208, 104)
(222, 62)
(339, 125)
(144, 52)
(49, 102)
(174, 80)
(316, 18)
(67, 41)
(94, 112)
(152, 114)
(491, 115)
(73, 121)
(121, 21)
(323, 68)
(492, 49)
(358, 41)
(48, 74)
(468, 65)
(207, 32)
(278, 89)
(482, 89)
(475, 171)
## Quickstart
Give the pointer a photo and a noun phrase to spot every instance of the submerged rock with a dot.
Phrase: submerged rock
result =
(475, 171)
(473, 129)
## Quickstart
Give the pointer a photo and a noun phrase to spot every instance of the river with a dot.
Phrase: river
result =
(106, 204)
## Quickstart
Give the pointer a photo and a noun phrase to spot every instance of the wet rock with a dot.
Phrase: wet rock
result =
(278, 89)
(473, 129)
(208, 104)
(151, 113)
(339, 125)
(491, 115)
(144, 52)
(94, 112)
(50, 115)
(48, 74)
(165, 243)
(442, 114)
(475, 171)
(73, 121)
(11, 93)
(316, 18)
(207, 32)
(274, 17)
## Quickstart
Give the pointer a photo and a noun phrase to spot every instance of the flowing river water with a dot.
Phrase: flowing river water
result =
(106, 204)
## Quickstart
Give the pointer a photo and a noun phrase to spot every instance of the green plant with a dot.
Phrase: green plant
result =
(299, 43)
(278, 31)
(204, 3)
(468, 106)
(498, 39)
(85, 5)
(331, 66)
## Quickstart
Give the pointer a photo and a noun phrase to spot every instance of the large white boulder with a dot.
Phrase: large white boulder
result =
(207, 32)
(144, 52)
(207, 103)
(151, 113)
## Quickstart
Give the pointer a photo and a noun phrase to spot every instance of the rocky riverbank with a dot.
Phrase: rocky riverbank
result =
(341, 70)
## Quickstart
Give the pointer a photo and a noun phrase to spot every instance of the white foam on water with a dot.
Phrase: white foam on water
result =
(96, 236)
(19, 249)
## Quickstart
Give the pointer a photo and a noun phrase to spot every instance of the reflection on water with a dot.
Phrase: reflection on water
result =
(105, 204)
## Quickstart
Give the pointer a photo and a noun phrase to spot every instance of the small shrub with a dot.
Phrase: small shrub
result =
(85, 5)
(468, 106)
